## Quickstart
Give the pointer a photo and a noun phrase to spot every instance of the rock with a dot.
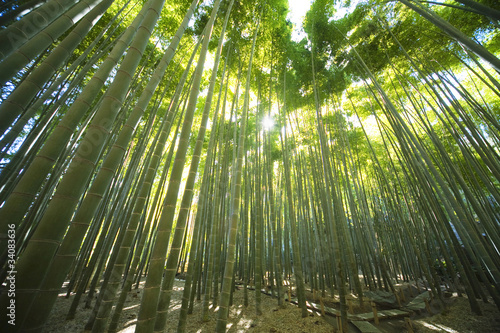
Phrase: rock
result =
(382, 298)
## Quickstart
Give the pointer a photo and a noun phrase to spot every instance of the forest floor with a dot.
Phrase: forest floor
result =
(455, 317)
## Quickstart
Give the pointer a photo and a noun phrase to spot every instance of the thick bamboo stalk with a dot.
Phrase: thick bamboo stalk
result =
(19, 32)
(14, 209)
(235, 204)
(455, 34)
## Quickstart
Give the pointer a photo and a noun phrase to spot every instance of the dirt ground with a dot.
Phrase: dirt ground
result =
(455, 317)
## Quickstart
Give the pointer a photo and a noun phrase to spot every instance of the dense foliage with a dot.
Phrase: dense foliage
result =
(146, 138)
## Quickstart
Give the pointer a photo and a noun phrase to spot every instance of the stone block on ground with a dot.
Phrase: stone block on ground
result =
(382, 298)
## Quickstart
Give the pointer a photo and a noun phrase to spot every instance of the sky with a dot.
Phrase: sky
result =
(298, 9)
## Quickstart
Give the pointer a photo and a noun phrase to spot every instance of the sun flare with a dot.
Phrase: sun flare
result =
(268, 123)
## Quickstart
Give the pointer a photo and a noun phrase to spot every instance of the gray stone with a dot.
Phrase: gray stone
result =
(382, 298)
(366, 327)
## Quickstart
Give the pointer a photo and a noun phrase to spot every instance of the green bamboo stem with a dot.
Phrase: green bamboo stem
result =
(50, 230)
(172, 260)
(23, 55)
(454, 33)
(147, 314)
(297, 261)
(235, 205)
(20, 199)
(19, 32)
(18, 102)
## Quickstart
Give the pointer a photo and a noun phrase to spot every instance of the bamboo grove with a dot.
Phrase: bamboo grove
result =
(142, 139)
